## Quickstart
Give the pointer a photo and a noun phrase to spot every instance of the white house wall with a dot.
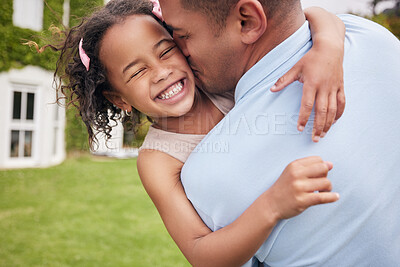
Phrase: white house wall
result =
(45, 140)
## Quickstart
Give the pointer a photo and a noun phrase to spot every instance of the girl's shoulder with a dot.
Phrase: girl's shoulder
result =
(150, 161)
(176, 145)
(224, 101)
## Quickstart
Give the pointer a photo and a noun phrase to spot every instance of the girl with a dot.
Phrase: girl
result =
(123, 59)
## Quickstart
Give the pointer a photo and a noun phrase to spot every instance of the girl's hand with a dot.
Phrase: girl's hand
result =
(303, 184)
(322, 76)
(321, 72)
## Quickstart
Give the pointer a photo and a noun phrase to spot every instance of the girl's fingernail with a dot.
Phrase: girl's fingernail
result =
(329, 164)
(316, 139)
(323, 134)
(273, 87)
(300, 128)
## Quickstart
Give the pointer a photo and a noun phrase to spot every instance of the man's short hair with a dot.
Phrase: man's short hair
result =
(218, 10)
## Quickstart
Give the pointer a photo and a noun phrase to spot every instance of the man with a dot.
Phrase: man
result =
(231, 44)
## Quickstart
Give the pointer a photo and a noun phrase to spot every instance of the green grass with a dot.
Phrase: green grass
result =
(84, 212)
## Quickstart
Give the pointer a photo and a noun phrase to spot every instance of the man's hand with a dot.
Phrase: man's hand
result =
(302, 184)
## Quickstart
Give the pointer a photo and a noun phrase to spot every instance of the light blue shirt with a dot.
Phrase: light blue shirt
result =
(248, 150)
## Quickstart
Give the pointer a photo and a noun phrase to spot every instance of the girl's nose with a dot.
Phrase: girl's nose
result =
(162, 73)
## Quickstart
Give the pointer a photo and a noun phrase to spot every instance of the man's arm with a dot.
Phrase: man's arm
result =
(321, 72)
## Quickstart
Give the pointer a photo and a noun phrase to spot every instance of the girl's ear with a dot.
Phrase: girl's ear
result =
(253, 20)
(117, 100)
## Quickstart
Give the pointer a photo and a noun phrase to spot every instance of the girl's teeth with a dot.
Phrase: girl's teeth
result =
(177, 88)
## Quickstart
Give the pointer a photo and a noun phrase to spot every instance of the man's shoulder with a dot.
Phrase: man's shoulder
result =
(354, 21)
(366, 28)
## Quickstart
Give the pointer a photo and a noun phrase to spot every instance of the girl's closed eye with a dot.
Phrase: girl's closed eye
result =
(136, 74)
(167, 51)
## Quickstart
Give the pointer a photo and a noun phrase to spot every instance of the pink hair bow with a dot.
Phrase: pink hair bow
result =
(84, 57)
(157, 9)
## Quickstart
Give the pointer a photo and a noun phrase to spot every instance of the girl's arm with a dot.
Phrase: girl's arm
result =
(321, 72)
(236, 243)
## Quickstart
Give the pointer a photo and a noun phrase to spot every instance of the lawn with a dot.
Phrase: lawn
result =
(85, 212)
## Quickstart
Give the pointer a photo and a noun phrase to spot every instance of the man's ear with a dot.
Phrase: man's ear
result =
(117, 100)
(252, 18)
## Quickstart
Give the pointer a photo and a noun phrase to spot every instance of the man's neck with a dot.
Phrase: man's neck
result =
(273, 36)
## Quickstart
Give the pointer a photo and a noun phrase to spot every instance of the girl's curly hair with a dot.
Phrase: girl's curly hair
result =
(84, 89)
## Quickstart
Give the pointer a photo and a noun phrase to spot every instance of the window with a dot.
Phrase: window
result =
(23, 106)
(30, 106)
(28, 14)
(14, 144)
(28, 144)
(21, 144)
(17, 105)
(22, 121)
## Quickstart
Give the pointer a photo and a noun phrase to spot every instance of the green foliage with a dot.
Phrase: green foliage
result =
(382, 20)
(85, 212)
(80, 9)
(394, 25)
(6, 12)
(12, 53)
(141, 134)
(53, 12)
(391, 22)
(15, 55)
(76, 136)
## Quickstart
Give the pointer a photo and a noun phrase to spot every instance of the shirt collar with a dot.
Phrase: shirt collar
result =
(265, 68)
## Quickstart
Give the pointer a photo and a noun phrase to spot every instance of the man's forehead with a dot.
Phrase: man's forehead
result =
(170, 7)
(176, 16)
(164, 3)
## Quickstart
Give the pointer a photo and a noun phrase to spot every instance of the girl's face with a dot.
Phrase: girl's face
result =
(146, 69)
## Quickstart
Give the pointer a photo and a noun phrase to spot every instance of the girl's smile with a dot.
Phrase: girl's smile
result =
(173, 93)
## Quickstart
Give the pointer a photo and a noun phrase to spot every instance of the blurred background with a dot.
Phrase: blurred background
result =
(61, 204)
